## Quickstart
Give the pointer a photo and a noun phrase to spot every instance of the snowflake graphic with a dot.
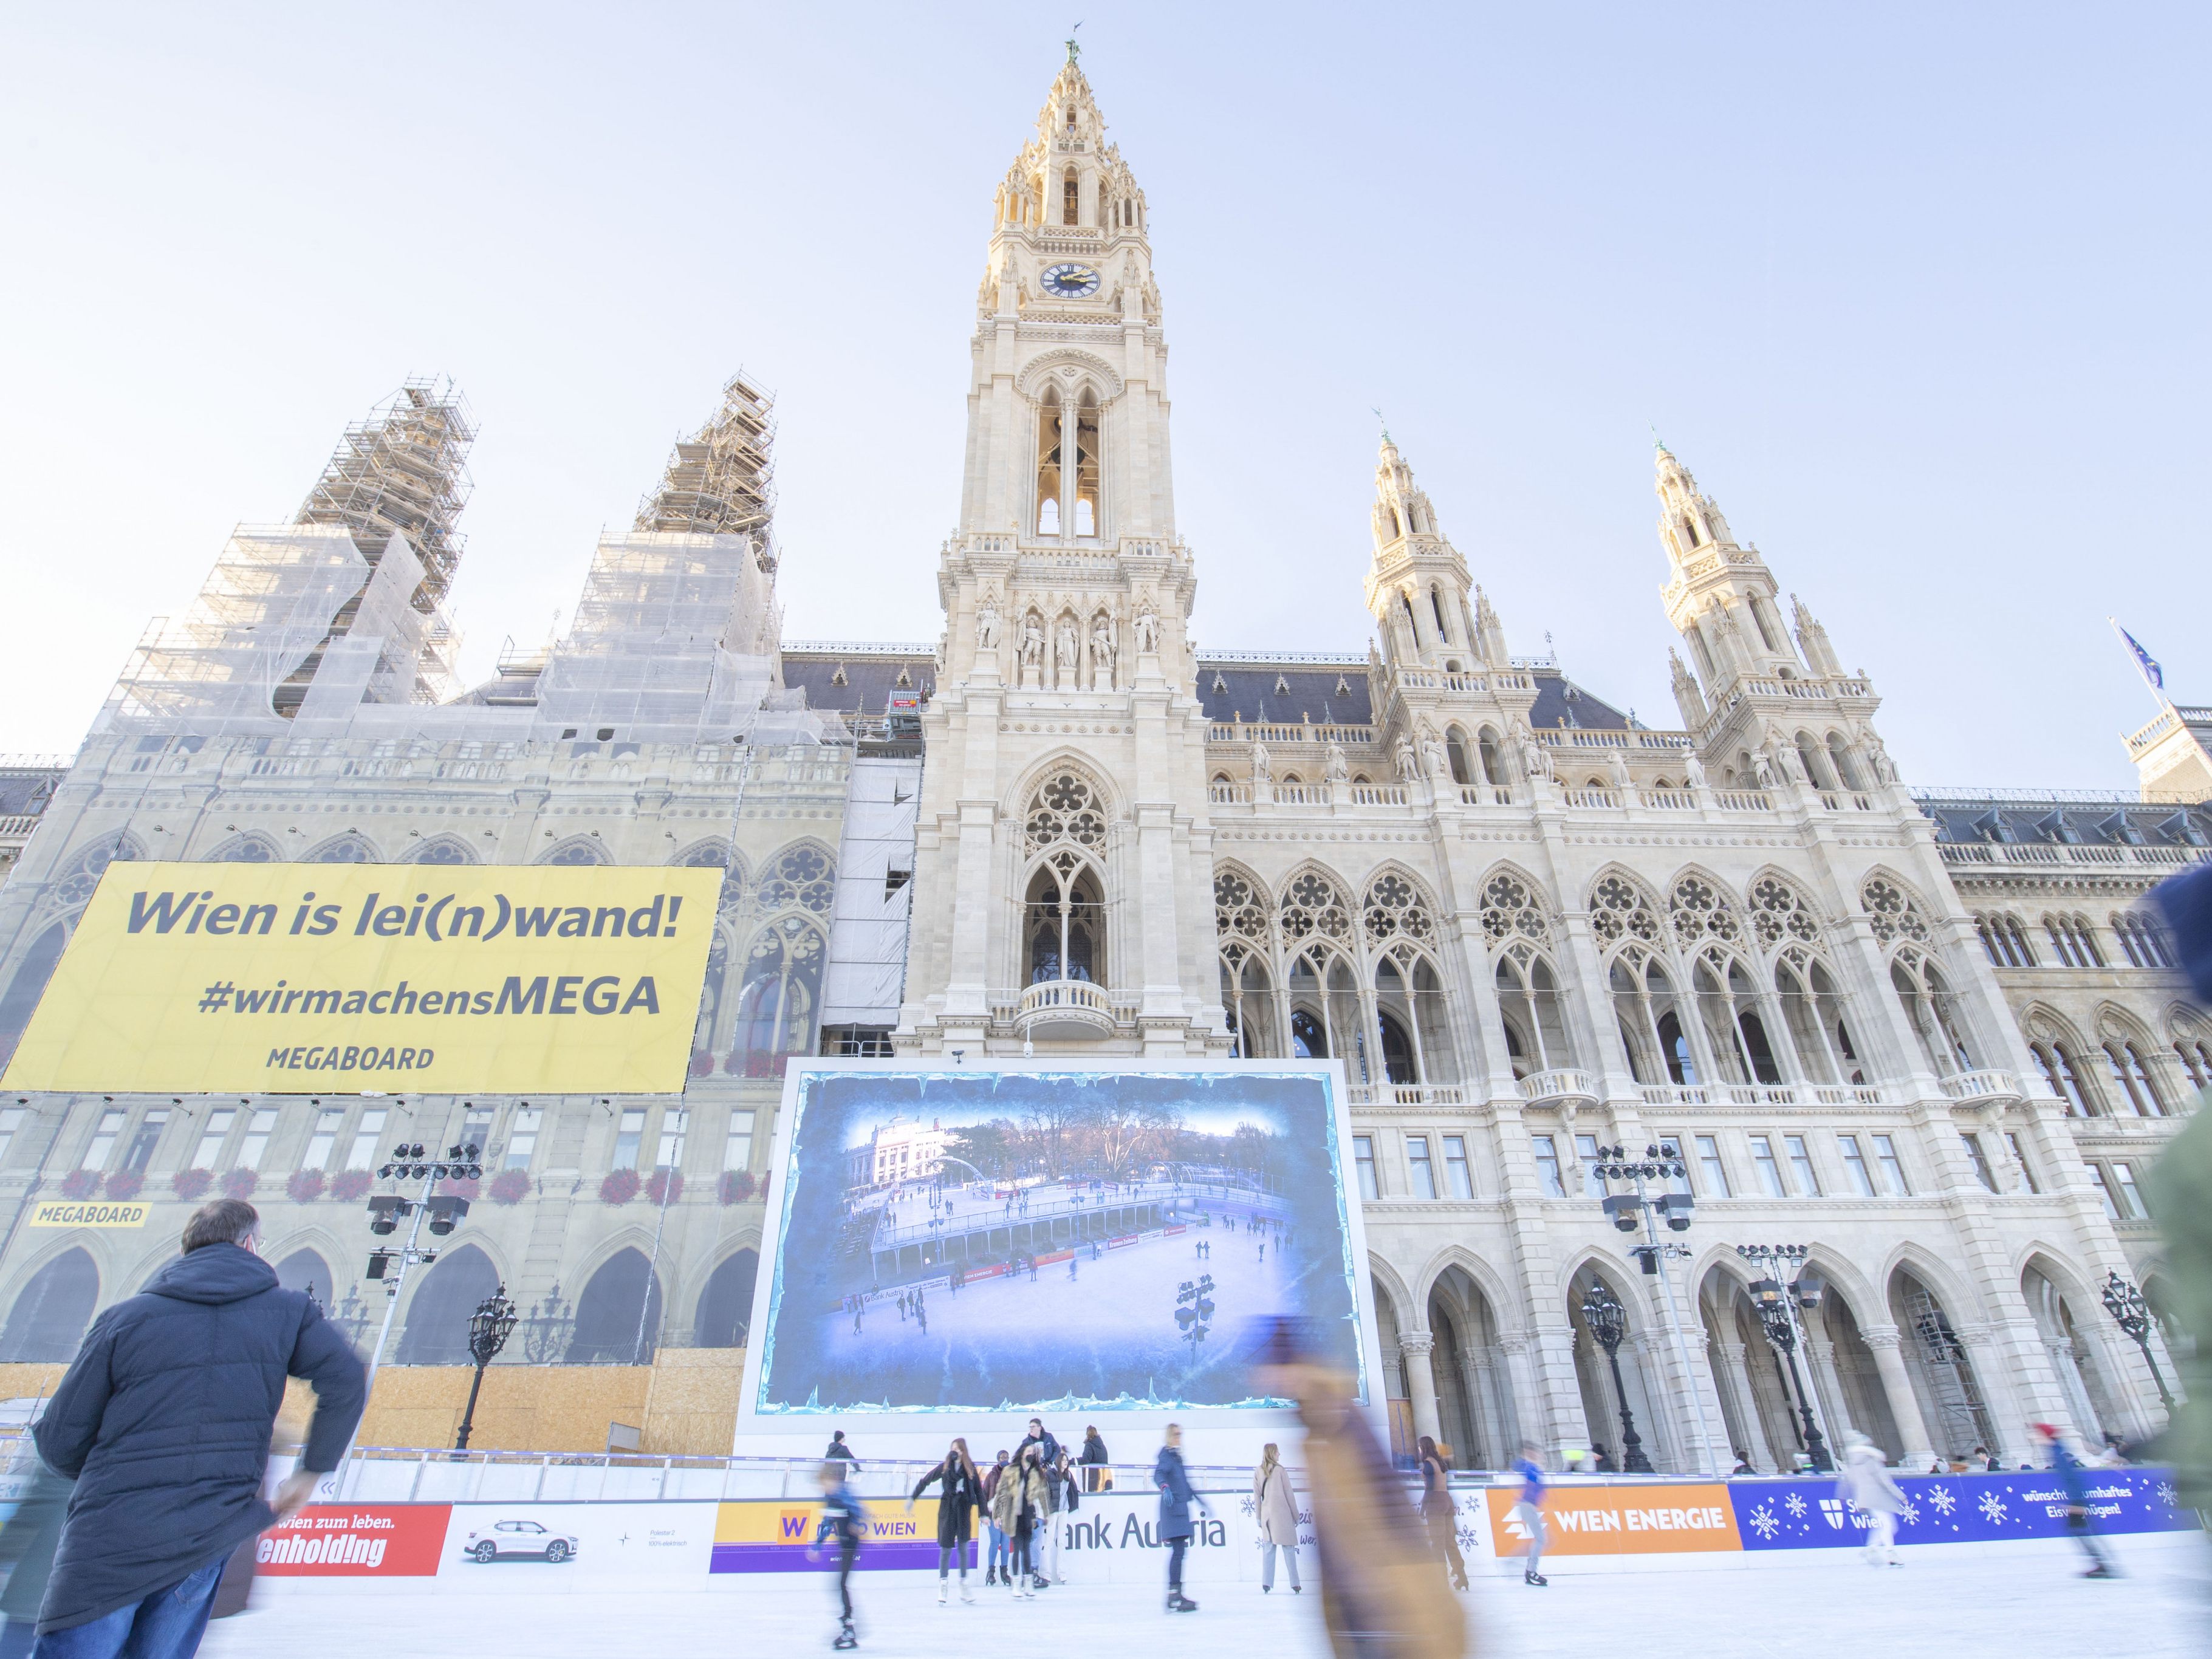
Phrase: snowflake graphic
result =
(1944, 1499)
(1910, 1512)
(2165, 1492)
(1247, 1507)
(1994, 1507)
(1764, 1523)
(1796, 1506)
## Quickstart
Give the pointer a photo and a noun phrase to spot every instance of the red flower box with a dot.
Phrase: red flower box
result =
(737, 1186)
(306, 1185)
(619, 1188)
(124, 1185)
(190, 1183)
(350, 1185)
(240, 1183)
(510, 1186)
(80, 1184)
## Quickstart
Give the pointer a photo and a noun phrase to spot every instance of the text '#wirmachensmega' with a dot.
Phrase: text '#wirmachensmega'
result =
(562, 993)
(201, 911)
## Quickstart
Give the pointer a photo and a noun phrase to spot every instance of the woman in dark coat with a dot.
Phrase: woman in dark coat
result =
(1440, 1512)
(960, 1494)
(1175, 1499)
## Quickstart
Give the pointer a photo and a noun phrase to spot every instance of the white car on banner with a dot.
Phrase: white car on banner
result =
(515, 1540)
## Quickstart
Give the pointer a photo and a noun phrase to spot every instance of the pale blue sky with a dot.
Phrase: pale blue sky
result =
(1918, 292)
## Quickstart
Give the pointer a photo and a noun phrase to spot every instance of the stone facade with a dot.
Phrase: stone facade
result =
(1931, 1039)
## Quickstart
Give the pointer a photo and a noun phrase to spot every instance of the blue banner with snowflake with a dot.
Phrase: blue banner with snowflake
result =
(1955, 1509)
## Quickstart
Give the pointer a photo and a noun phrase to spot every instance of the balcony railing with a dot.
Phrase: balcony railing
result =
(1974, 1087)
(1064, 1009)
(1559, 1086)
(1486, 794)
(1407, 1094)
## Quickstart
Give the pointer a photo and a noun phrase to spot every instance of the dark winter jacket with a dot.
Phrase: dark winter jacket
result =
(1048, 1448)
(1175, 1495)
(1094, 1450)
(164, 1422)
(959, 1496)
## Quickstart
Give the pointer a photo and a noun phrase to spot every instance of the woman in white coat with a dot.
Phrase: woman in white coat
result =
(1865, 1484)
(1277, 1507)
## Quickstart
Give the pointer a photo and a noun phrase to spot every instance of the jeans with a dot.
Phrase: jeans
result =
(1267, 1564)
(999, 1557)
(166, 1624)
(846, 1549)
(1533, 1518)
(1176, 1548)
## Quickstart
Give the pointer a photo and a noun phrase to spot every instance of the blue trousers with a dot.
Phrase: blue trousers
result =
(166, 1624)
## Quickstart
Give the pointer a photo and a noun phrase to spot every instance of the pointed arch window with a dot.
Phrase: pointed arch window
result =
(2055, 1061)
(1436, 605)
(1064, 921)
(1086, 464)
(1050, 436)
(1926, 994)
(1071, 192)
(776, 1008)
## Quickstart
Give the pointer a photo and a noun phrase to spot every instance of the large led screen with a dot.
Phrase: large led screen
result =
(980, 1240)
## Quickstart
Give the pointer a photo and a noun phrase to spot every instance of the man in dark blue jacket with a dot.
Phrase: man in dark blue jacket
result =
(164, 1422)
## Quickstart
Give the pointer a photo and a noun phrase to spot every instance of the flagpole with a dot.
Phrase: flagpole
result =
(2146, 665)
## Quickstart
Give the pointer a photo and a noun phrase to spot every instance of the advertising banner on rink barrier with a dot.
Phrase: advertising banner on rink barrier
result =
(357, 1540)
(1956, 1509)
(322, 978)
(1628, 1519)
(539, 1548)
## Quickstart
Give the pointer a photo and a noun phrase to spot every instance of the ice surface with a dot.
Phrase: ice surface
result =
(2023, 1603)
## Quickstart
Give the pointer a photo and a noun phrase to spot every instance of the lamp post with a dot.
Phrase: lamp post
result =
(385, 1212)
(1778, 1305)
(1608, 1322)
(488, 1327)
(2132, 1314)
(1195, 1311)
(1675, 1209)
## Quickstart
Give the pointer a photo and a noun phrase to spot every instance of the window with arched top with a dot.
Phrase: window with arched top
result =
(2195, 1055)
(1892, 912)
(345, 849)
(1932, 1011)
(1064, 921)
(1050, 438)
(1456, 752)
(2141, 939)
(1493, 765)
(2004, 941)
(1813, 1013)
(1437, 606)
(778, 1003)
(1247, 998)
(1846, 769)
(2054, 1058)
(1071, 192)
(2131, 1070)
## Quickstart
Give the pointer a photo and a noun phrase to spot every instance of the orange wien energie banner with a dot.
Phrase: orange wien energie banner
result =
(1618, 1519)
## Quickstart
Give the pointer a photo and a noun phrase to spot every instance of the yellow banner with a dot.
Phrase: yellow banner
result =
(71, 1212)
(336, 979)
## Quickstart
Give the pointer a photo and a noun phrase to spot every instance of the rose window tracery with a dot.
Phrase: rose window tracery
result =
(1065, 808)
(1395, 909)
(1312, 905)
(1892, 911)
(1508, 907)
(1618, 911)
(1701, 910)
(1778, 912)
(1236, 907)
(802, 878)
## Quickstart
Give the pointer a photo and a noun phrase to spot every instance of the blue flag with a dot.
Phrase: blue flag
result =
(2144, 660)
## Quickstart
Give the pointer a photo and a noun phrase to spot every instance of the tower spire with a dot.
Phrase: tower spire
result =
(1417, 585)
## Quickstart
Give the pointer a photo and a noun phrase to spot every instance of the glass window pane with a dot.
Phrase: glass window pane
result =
(1363, 1153)
(675, 1124)
(1709, 1165)
(629, 1136)
(1979, 1159)
(2132, 1204)
(103, 1139)
(1770, 1172)
(738, 1150)
(1800, 1160)
(1670, 1148)
(218, 1130)
(476, 1130)
(1855, 1164)
(1425, 1175)
(258, 1128)
(367, 1134)
(522, 1136)
(1884, 1151)
(11, 1120)
(324, 1139)
(144, 1138)
(2104, 1190)
(1456, 1168)
(1547, 1166)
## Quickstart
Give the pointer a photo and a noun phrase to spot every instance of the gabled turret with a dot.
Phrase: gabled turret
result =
(1418, 586)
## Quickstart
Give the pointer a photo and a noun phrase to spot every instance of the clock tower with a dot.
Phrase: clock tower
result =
(1063, 879)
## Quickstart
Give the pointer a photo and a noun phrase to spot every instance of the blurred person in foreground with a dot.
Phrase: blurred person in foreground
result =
(2179, 1188)
(163, 1422)
(1865, 1483)
(1381, 1595)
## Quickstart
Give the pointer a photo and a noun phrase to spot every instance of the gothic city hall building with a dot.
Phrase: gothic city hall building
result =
(1934, 1036)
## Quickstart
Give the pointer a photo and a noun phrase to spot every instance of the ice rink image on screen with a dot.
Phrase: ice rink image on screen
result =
(972, 1240)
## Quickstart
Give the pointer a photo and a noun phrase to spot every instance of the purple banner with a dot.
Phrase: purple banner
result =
(1956, 1509)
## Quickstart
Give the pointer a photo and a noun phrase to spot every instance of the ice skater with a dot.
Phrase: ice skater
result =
(1866, 1486)
(844, 1520)
(960, 1494)
(1175, 1529)
(1528, 1510)
(921, 1318)
(2076, 1479)
(858, 1304)
(1275, 1506)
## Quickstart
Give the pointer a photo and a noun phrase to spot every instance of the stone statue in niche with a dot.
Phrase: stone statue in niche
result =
(1534, 761)
(1885, 769)
(1693, 772)
(1786, 759)
(1148, 628)
(1263, 769)
(1336, 767)
(1032, 650)
(1434, 755)
(1616, 767)
(987, 624)
(1102, 653)
(1762, 769)
(1408, 768)
(1065, 652)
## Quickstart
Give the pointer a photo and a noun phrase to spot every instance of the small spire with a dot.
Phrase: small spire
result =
(1385, 424)
(1074, 51)
(1659, 443)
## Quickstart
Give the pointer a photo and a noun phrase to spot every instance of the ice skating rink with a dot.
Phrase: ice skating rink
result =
(2024, 1603)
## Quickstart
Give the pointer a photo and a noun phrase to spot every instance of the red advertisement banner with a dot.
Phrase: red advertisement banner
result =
(357, 1540)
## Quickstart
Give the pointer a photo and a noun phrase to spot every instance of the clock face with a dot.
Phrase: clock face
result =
(1070, 281)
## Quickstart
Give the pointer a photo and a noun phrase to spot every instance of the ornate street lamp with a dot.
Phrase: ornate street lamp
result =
(549, 1329)
(2132, 1314)
(488, 1328)
(1776, 1305)
(1608, 1322)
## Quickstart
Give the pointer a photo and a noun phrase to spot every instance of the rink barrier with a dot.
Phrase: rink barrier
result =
(537, 1546)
